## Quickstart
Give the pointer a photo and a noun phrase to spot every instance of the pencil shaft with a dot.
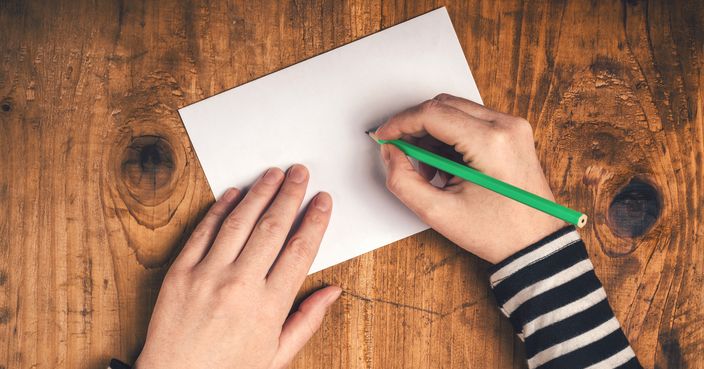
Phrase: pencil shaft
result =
(472, 175)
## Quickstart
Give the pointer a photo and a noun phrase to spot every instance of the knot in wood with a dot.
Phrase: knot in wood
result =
(634, 209)
(147, 169)
(6, 105)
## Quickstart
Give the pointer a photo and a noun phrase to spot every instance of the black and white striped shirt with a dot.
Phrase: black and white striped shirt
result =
(559, 308)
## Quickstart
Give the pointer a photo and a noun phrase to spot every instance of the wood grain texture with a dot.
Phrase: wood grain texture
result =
(99, 185)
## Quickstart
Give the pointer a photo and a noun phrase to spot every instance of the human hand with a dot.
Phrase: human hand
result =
(482, 222)
(225, 301)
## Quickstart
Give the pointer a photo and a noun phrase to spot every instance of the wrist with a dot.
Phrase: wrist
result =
(554, 231)
(532, 232)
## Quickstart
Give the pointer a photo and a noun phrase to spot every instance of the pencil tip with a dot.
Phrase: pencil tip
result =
(373, 136)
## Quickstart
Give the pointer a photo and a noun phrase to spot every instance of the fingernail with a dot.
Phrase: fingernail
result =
(271, 176)
(297, 174)
(322, 202)
(334, 296)
(229, 194)
(379, 130)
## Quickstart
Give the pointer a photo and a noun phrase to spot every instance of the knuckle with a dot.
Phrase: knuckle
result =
(523, 128)
(221, 300)
(513, 130)
(290, 190)
(233, 287)
(315, 218)
(234, 224)
(177, 284)
(271, 224)
(500, 137)
(443, 97)
(261, 190)
(218, 210)
(429, 106)
(301, 249)
(200, 233)
(518, 121)
(201, 279)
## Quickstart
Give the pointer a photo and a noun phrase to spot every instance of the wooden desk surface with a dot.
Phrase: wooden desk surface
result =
(99, 185)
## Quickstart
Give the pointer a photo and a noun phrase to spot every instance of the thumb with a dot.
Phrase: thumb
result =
(301, 325)
(408, 185)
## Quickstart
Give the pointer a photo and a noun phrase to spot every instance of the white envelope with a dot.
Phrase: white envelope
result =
(316, 112)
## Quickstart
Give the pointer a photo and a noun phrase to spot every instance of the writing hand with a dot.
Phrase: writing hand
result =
(483, 222)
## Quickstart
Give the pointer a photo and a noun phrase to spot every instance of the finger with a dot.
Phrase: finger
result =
(470, 107)
(291, 268)
(238, 225)
(301, 325)
(447, 124)
(427, 172)
(203, 235)
(431, 144)
(409, 186)
(271, 230)
(453, 181)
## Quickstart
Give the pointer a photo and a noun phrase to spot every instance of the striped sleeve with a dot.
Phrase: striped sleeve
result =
(559, 308)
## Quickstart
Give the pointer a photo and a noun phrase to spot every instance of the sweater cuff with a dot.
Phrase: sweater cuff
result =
(117, 364)
(556, 304)
(536, 271)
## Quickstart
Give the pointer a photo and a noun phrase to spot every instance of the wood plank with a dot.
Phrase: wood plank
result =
(99, 185)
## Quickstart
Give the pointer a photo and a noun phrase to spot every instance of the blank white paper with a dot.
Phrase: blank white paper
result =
(316, 112)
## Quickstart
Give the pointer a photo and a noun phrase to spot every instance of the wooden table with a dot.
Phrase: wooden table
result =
(99, 186)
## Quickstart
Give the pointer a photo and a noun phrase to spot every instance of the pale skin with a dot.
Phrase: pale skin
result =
(226, 300)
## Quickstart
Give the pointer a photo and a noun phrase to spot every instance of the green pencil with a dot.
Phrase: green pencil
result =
(490, 183)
